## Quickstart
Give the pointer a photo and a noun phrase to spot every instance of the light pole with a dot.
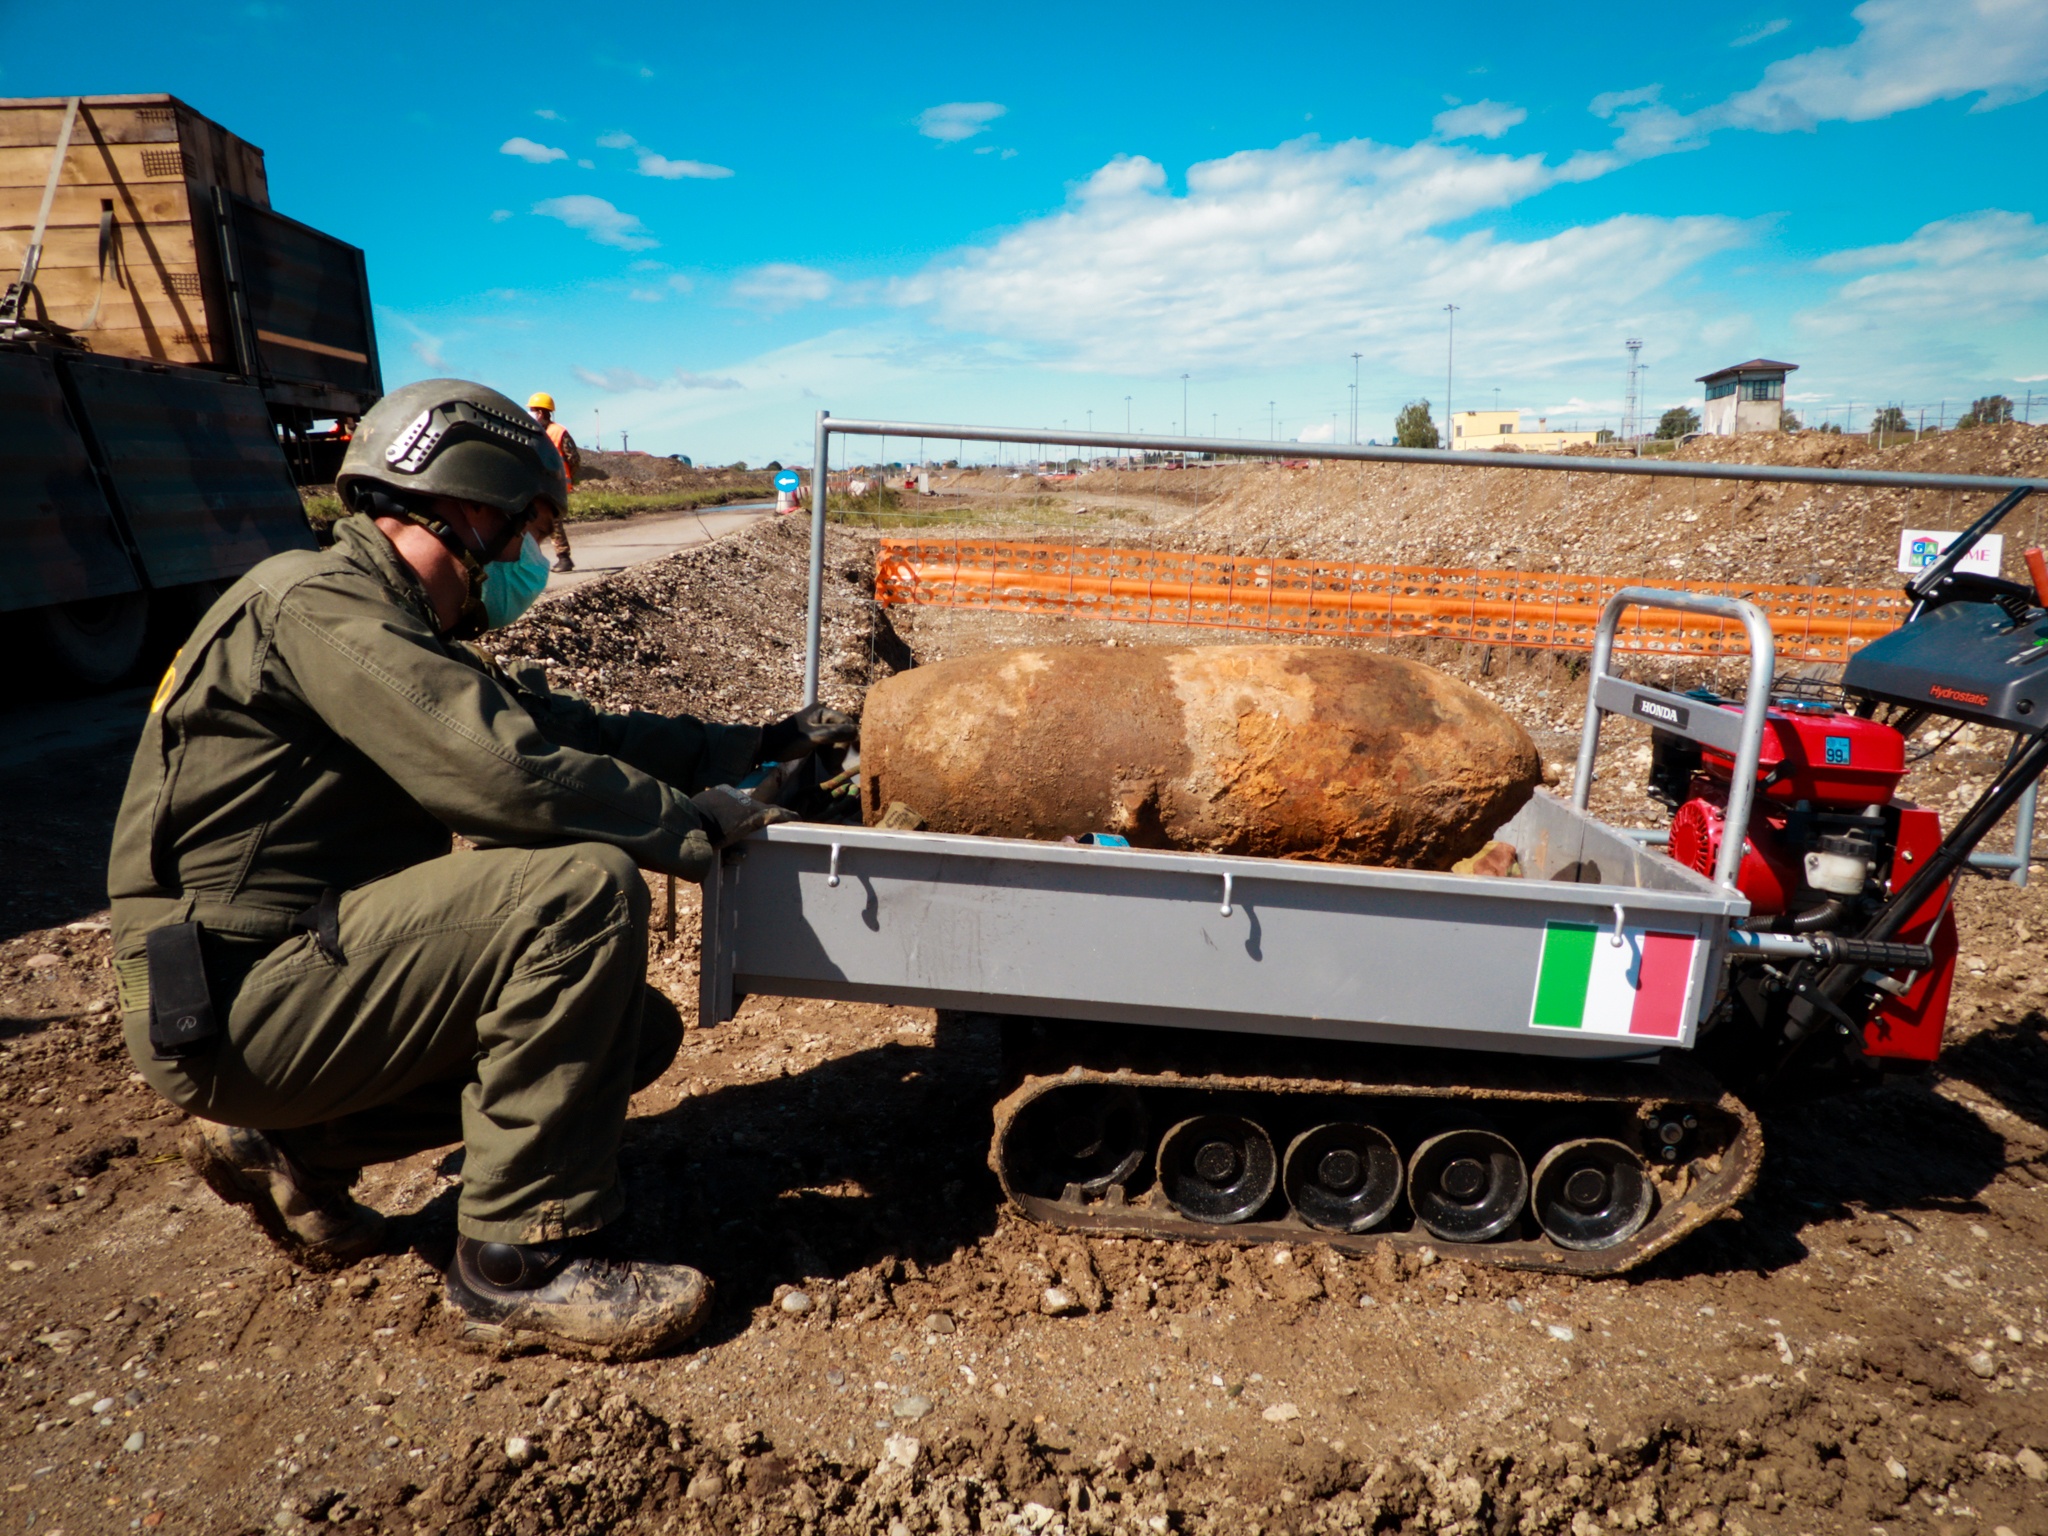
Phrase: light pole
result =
(1450, 332)
(1354, 396)
(1272, 423)
(1185, 425)
(1127, 415)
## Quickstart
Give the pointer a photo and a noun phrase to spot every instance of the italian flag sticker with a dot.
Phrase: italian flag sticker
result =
(1588, 982)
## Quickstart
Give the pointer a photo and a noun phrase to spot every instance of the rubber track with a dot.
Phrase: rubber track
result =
(1716, 1177)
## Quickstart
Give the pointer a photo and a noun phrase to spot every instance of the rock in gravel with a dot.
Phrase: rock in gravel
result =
(912, 1408)
(1560, 1332)
(1058, 1301)
(901, 1452)
(2032, 1463)
(62, 1340)
(938, 1322)
(43, 962)
(706, 1487)
(1280, 1413)
(1982, 1364)
(135, 1442)
(796, 1303)
(519, 1450)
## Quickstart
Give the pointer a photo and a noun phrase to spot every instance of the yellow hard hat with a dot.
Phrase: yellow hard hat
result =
(540, 400)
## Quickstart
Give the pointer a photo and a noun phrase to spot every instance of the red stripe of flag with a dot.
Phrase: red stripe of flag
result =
(1660, 995)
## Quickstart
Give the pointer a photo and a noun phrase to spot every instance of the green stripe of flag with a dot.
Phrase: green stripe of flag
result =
(1567, 967)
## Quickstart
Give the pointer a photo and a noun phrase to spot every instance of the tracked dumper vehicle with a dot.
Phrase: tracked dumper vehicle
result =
(1540, 1072)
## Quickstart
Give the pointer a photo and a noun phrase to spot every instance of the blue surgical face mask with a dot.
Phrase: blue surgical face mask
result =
(512, 586)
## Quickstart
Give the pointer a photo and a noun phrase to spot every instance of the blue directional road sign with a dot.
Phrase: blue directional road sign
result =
(788, 480)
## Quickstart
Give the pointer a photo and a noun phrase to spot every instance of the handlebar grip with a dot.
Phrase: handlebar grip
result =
(1831, 949)
(2037, 567)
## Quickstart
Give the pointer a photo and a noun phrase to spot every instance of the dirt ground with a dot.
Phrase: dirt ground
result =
(1862, 1348)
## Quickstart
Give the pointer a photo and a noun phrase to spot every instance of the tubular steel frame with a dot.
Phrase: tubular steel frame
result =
(1250, 448)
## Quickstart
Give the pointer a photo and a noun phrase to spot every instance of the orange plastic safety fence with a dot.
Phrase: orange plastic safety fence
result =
(1333, 598)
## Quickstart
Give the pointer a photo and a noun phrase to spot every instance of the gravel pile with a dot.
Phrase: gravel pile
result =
(716, 631)
(1598, 525)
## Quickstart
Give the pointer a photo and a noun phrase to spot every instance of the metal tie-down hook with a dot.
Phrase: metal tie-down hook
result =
(832, 870)
(1615, 939)
(1226, 895)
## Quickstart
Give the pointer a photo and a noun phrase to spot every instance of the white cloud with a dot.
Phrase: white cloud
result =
(1321, 432)
(782, 285)
(1271, 250)
(598, 219)
(2031, 378)
(620, 381)
(652, 164)
(1478, 120)
(1758, 34)
(500, 215)
(614, 381)
(1960, 297)
(548, 113)
(1907, 55)
(671, 285)
(648, 163)
(530, 152)
(953, 121)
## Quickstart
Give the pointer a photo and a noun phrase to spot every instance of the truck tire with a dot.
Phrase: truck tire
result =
(98, 641)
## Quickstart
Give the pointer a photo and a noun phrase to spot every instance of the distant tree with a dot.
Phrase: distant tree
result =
(1413, 427)
(1678, 421)
(773, 466)
(1788, 421)
(1889, 421)
(1604, 435)
(739, 464)
(1833, 428)
(1990, 411)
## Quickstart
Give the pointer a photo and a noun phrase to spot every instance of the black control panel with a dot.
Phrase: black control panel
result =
(1968, 660)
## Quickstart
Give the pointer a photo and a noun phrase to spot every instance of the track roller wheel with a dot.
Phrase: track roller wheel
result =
(1467, 1186)
(1342, 1177)
(1085, 1138)
(1217, 1168)
(1592, 1194)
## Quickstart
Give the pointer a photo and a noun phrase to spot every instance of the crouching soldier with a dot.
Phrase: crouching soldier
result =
(308, 969)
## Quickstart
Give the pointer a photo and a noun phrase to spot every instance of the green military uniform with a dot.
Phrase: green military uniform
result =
(317, 735)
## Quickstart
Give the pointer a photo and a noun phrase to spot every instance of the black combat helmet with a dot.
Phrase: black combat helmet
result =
(449, 437)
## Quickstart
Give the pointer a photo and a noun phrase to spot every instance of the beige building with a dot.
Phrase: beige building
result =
(1503, 429)
(1749, 397)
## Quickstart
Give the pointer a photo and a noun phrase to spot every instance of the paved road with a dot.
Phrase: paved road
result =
(602, 548)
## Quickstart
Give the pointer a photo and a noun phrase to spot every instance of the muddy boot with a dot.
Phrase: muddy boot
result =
(310, 1217)
(564, 1295)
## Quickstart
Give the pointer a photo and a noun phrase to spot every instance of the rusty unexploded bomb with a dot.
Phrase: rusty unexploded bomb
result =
(1282, 750)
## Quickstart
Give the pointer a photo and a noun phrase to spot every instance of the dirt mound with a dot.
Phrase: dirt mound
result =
(716, 631)
(1665, 530)
(648, 472)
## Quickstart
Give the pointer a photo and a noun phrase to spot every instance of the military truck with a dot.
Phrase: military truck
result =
(170, 349)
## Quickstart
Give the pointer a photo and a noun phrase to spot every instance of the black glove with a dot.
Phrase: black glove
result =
(734, 813)
(812, 727)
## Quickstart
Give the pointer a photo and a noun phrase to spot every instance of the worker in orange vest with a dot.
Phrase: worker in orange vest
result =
(542, 405)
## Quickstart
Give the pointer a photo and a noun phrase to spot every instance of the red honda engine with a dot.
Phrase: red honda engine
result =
(1827, 842)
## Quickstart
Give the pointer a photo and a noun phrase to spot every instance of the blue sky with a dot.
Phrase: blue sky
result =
(700, 225)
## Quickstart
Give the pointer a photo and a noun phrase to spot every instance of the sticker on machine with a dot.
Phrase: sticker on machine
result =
(1588, 982)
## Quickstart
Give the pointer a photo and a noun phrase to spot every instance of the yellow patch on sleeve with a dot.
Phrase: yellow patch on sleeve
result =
(163, 689)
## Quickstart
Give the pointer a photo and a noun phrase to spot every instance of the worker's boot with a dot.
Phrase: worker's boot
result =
(566, 1294)
(307, 1214)
(564, 563)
